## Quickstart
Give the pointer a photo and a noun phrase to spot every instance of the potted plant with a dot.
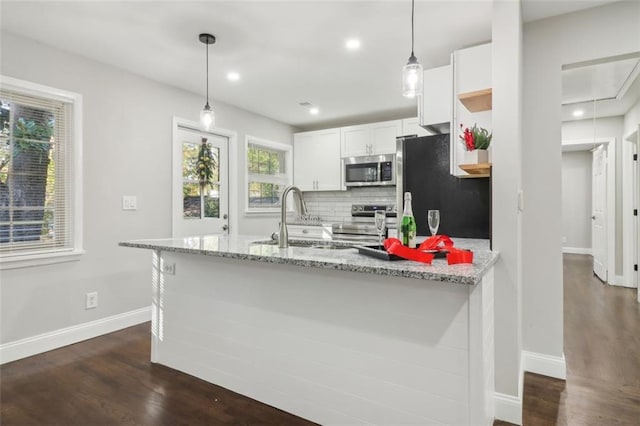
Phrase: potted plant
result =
(476, 141)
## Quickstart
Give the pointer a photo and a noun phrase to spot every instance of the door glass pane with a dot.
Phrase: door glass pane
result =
(215, 154)
(212, 202)
(189, 161)
(191, 200)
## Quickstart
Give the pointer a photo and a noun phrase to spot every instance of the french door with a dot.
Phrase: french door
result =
(197, 209)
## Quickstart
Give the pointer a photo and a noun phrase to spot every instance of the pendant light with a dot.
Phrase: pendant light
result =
(412, 72)
(207, 117)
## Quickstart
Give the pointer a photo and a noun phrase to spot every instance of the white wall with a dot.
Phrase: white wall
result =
(548, 44)
(604, 127)
(127, 150)
(576, 199)
(632, 119)
(506, 182)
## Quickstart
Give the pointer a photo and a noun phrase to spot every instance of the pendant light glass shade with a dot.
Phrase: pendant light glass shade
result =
(412, 78)
(207, 116)
(412, 72)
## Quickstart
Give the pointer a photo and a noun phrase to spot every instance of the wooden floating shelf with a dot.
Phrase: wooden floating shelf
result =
(480, 170)
(480, 100)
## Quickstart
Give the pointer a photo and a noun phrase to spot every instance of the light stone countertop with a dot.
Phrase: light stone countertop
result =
(246, 248)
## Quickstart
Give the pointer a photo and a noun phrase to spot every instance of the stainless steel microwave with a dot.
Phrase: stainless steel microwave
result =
(370, 170)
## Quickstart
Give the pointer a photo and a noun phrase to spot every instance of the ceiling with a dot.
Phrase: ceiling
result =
(286, 52)
(604, 88)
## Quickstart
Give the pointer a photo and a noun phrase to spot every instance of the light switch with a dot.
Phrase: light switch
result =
(129, 202)
(520, 201)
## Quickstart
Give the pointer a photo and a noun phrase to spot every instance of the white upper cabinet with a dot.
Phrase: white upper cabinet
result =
(437, 98)
(317, 164)
(370, 139)
(472, 68)
(383, 136)
(411, 126)
(356, 140)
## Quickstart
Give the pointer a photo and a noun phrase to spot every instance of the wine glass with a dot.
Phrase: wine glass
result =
(433, 217)
(380, 217)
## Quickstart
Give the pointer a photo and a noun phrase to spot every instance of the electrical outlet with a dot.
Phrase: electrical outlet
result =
(564, 240)
(168, 268)
(92, 300)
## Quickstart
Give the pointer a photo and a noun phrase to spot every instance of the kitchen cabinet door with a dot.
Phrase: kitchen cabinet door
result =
(437, 96)
(355, 140)
(383, 136)
(316, 160)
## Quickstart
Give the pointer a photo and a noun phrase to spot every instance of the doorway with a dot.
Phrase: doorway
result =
(589, 202)
(199, 209)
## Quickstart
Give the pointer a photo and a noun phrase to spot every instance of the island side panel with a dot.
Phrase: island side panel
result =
(330, 346)
(481, 352)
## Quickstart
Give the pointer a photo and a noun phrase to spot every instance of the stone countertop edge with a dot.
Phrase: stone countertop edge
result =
(344, 259)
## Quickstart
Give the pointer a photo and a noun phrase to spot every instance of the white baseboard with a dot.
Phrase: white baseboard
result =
(576, 250)
(620, 280)
(546, 365)
(508, 408)
(66, 336)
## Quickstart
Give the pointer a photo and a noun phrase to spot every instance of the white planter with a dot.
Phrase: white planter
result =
(476, 156)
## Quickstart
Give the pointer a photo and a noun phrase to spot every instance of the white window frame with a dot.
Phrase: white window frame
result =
(288, 158)
(73, 253)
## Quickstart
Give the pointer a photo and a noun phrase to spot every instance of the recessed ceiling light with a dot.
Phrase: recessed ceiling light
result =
(578, 113)
(233, 76)
(352, 44)
(314, 111)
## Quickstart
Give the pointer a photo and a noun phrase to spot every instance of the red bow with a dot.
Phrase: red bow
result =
(435, 242)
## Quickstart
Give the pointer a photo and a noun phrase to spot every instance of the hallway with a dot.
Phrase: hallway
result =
(602, 350)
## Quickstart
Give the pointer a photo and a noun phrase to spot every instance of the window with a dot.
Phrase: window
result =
(268, 174)
(39, 147)
(200, 201)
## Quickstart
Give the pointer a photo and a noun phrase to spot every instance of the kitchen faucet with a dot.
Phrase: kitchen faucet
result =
(283, 233)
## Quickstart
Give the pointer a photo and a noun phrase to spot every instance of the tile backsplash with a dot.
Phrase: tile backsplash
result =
(335, 206)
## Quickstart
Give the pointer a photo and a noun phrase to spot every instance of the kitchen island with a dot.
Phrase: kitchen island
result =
(328, 334)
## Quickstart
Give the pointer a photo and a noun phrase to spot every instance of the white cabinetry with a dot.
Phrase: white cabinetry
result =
(471, 81)
(411, 126)
(370, 139)
(316, 160)
(437, 98)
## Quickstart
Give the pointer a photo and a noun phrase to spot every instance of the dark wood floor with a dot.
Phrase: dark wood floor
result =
(602, 351)
(109, 380)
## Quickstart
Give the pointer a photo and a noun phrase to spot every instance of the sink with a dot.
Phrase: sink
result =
(316, 244)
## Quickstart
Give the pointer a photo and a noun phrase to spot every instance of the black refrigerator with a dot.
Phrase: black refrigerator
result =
(422, 168)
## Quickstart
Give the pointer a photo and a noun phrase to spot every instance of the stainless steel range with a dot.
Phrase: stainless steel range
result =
(361, 228)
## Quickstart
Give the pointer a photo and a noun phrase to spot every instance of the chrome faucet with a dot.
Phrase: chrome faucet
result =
(283, 233)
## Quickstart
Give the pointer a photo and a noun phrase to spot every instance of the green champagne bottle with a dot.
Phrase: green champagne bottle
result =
(408, 225)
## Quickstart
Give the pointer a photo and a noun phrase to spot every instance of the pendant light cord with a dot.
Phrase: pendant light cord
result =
(207, 46)
(412, 9)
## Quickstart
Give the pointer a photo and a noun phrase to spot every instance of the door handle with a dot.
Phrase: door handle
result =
(225, 227)
(225, 216)
(593, 218)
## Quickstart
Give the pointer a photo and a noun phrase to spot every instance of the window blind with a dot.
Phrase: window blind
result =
(35, 184)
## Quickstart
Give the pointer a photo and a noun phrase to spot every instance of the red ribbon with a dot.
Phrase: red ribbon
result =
(435, 242)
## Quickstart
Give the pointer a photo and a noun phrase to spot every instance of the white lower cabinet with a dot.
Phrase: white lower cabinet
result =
(316, 160)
